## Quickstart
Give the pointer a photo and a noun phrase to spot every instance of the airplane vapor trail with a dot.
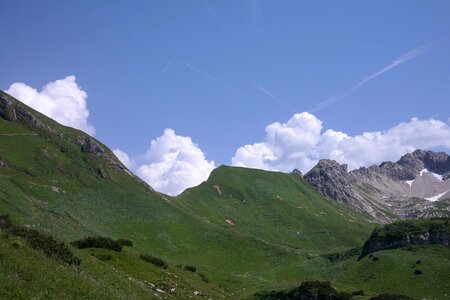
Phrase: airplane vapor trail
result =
(413, 54)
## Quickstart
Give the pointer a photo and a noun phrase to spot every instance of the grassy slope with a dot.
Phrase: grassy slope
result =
(27, 273)
(61, 192)
(277, 208)
(393, 272)
(281, 225)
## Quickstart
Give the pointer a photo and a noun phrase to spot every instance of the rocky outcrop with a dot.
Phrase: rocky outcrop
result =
(332, 180)
(89, 145)
(7, 111)
(298, 173)
(405, 233)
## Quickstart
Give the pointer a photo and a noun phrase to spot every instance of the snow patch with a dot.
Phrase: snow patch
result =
(409, 182)
(438, 177)
(437, 197)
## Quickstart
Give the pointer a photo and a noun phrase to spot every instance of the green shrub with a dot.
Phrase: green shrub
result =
(203, 277)
(125, 242)
(358, 293)
(5, 222)
(391, 297)
(417, 272)
(154, 261)
(190, 268)
(97, 242)
(47, 244)
(317, 288)
(16, 244)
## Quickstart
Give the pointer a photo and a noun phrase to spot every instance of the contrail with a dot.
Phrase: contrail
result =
(211, 11)
(211, 77)
(413, 54)
(272, 96)
(169, 64)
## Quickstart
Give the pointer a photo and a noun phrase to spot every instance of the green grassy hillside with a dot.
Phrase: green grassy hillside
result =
(245, 230)
(27, 273)
(276, 208)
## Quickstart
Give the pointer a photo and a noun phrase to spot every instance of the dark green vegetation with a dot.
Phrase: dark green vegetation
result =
(190, 268)
(244, 230)
(98, 242)
(27, 273)
(45, 243)
(156, 261)
(307, 290)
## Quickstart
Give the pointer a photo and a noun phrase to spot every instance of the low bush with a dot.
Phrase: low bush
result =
(47, 244)
(417, 272)
(5, 222)
(97, 242)
(154, 261)
(203, 277)
(190, 268)
(358, 293)
(125, 242)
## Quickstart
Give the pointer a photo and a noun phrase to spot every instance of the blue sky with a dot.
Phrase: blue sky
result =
(221, 71)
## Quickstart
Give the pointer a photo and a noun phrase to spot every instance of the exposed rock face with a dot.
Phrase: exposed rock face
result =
(332, 180)
(396, 236)
(418, 185)
(88, 145)
(298, 173)
(7, 111)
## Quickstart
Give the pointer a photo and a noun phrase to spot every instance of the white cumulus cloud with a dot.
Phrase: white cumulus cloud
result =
(174, 163)
(62, 100)
(300, 143)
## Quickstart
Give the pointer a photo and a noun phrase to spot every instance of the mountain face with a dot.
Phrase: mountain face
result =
(243, 230)
(416, 186)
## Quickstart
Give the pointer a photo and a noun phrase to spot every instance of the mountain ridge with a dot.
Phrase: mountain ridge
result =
(407, 188)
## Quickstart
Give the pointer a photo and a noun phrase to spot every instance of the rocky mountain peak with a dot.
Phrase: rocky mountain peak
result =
(332, 180)
(437, 162)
